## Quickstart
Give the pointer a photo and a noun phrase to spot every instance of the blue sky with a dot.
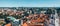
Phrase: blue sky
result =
(29, 3)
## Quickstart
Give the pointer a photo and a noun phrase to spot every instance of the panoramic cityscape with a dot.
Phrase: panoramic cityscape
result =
(29, 12)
